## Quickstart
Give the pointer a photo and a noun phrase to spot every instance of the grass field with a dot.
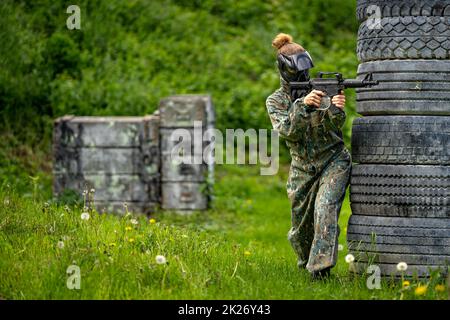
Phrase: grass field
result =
(236, 250)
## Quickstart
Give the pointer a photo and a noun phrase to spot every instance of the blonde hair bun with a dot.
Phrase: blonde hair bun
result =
(281, 39)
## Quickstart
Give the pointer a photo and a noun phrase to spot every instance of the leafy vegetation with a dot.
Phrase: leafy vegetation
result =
(129, 55)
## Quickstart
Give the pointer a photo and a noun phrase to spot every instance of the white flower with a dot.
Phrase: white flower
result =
(340, 247)
(60, 244)
(349, 258)
(92, 190)
(160, 259)
(85, 216)
(134, 221)
(6, 202)
(402, 266)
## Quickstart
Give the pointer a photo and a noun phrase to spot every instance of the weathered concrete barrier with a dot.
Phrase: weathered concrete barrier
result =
(127, 159)
(185, 186)
(116, 156)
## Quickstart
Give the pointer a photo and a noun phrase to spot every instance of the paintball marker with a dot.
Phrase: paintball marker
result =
(330, 86)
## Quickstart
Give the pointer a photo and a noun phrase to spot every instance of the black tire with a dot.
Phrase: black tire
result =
(397, 8)
(405, 38)
(385, 241)
(407, 87)
(400, 191)
(401, 140)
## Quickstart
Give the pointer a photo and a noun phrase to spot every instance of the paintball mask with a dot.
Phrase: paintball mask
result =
(294, 68)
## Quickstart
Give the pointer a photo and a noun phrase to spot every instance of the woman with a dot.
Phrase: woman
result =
(321, 164)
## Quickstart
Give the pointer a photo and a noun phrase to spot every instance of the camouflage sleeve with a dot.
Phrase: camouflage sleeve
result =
(289, 119)
(337, 116)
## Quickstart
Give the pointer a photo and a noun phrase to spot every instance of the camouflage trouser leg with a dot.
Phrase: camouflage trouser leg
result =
(301, 191)
(316, 204)
(333, 183)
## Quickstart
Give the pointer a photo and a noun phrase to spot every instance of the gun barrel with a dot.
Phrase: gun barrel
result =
(353, 83)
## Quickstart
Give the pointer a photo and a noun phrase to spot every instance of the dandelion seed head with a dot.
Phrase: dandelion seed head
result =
(60, 244)
(349, 258)
(402, 266)
(134, 221)
(340, 247)
(85, 216)
(160, 259)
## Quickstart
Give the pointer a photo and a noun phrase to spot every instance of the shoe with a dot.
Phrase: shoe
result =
(321, 274)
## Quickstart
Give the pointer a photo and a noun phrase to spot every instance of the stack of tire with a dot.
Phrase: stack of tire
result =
(400, 182)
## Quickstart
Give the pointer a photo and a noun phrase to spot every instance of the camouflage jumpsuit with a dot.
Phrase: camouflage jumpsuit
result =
(318, 176)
